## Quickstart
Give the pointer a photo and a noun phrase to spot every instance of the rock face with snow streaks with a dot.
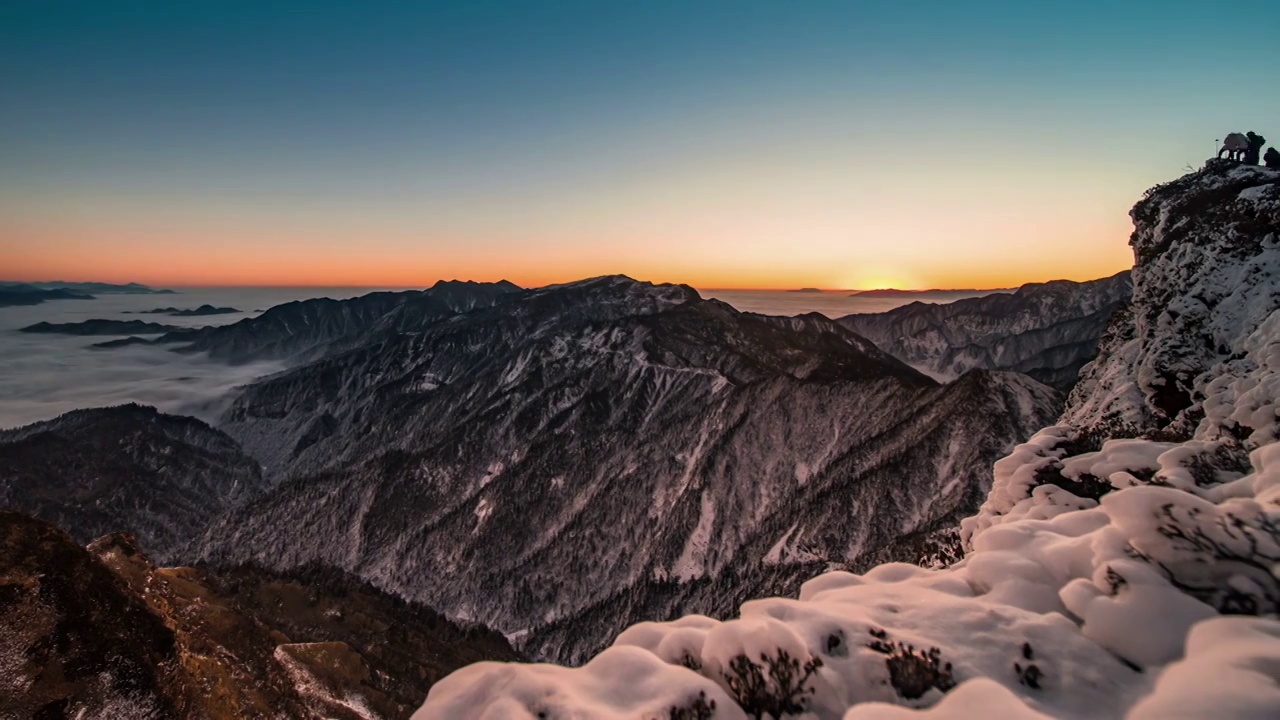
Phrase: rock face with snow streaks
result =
(1207, 280)
(1046, 330)
(1126, 563)
(559, 464)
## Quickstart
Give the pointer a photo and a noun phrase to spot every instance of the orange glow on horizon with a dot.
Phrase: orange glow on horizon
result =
(350, 272)
(173, 255)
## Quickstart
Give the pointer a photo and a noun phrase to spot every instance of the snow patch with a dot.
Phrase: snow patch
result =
(484, 509)
(692, 562)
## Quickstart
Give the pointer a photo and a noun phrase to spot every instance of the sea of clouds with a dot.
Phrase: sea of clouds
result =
(45, 375)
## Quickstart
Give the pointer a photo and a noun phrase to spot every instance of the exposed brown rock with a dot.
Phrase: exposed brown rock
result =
(105, 631)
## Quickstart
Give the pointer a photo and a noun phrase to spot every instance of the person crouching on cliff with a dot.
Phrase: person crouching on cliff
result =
(1272, 158)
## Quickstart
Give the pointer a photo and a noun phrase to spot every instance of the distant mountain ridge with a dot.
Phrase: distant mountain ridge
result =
(306, 330)
(34, 293)
(95, 288)
(1046, 330)
(201, 311)
(19, 294)
(130, 467)
(895, 292)
(104, 327)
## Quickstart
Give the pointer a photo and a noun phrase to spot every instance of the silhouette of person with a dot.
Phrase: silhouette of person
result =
(1254, 150)
(1272, 158)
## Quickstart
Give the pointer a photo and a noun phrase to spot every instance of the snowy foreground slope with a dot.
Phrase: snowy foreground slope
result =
(1125, 563)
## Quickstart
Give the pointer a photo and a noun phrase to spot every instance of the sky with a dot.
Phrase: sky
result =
(739, 144)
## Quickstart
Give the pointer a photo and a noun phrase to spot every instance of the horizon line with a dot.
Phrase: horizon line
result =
(799, 288)
(427, 286)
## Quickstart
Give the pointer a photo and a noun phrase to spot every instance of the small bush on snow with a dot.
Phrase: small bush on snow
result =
(699, 709)
(775, 686)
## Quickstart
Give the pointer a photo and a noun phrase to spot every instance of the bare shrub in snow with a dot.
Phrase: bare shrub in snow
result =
(691, 662)
(1225, 556)
(775, 686)
(1031, 674)
(912, 672)
(700, 708)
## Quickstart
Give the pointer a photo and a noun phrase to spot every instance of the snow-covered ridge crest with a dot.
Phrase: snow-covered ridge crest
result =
(1206, 279)
(1126, 563)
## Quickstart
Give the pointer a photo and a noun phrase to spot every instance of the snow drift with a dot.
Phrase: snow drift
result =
(1126, 562)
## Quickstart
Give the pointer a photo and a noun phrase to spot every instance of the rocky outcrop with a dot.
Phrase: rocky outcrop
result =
(104, 633)
(73, 639)
(1207, 278)
(1046, 330)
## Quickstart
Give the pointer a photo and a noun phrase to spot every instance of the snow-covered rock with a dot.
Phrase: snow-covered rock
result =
(1206, 281)
(1126, 563)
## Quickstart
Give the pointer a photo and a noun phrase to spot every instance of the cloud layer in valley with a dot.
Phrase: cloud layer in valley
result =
(45, 375)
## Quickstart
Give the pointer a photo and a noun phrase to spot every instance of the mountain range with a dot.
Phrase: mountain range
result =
(679, 438)
(1045, 330)
(573, 443)
(94, 288)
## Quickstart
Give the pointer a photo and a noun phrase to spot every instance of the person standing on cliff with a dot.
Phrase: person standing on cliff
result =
(1254, 150)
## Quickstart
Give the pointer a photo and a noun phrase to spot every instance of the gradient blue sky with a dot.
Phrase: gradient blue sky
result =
(745, 144)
